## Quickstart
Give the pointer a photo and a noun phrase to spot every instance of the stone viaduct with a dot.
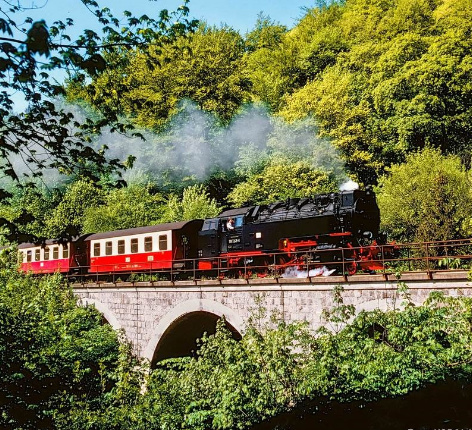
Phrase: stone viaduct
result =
(163, 319)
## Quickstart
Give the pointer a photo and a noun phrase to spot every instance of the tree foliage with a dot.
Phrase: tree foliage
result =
(281, 180)
(194, 204)
(68, 217)
(31, 208)
(47, 136)
(426, 198)
(136, 205)
(205, 67)
(52, 353)
(381, 79)
(399, 81)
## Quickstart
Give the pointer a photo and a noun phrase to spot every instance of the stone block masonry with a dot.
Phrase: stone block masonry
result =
(144, 311)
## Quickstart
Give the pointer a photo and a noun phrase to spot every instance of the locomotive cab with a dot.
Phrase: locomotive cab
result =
(209, 238)
(223, 234)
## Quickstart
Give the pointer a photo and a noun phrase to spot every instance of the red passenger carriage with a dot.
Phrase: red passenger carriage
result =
(51, 257)
(155, 247)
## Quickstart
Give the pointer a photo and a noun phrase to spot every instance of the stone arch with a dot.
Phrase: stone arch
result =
(104, 310)
(186, 308)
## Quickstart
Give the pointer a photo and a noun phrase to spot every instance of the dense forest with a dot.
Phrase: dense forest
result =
(366, 90)
(197, 119)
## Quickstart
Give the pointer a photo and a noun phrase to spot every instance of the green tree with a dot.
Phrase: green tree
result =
(426, 198)
(204, 67)
(52, 352)
(47, 136)
(30, 208)
(136, 205)
(268, 61)
(399, 81)
(68, 216)
(281, 180)
(194, 204)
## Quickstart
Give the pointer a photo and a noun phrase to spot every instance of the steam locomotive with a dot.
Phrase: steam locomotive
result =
(339, 230)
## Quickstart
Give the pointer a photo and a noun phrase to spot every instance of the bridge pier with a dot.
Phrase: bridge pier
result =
(147, 312)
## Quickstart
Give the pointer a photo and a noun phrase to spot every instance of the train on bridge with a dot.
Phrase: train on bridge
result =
(338, 231)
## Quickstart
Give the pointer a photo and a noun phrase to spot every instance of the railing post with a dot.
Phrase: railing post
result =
(409, 259)
(308, 265)
(275, 267)
(382, 250)
(427, 257)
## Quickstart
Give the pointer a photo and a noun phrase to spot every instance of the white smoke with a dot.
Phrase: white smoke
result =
(293, 272)
(195, 144)
(349, 186)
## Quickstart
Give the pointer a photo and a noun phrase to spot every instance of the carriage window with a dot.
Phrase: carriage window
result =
(37, 255)
(29, 256)
(108, 248)
(65, 251)
(121, 247)
(46, 253)
(21, 256)
(148, 244)
(134, 246)
(163, 243)
(96, 250)
(55, 252)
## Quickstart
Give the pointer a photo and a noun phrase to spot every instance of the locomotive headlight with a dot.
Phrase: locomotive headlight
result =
(258, 235)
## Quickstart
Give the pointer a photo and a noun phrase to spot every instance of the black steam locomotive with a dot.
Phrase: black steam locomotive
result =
(324, 229)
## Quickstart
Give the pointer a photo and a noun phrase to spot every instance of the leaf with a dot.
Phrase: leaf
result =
(38, 38)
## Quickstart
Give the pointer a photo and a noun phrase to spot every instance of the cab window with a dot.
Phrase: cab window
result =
(238, 221)
(210, 224)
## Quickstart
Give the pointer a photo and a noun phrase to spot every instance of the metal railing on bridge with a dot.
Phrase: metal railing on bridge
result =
(387, 260)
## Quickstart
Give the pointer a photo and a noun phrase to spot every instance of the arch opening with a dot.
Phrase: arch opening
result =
(180, 338)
